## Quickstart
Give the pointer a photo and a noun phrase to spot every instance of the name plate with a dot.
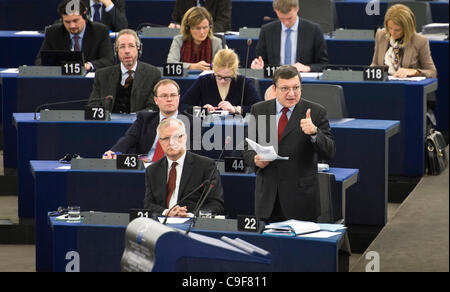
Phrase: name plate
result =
(72, 69)
(374, 74)
(139, 213)
(95, 113)
(248, 223)
(234, 164)
(269, 70)
(173, 70)
(128, 162)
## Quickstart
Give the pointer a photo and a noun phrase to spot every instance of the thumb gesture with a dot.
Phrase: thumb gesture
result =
(307, 125)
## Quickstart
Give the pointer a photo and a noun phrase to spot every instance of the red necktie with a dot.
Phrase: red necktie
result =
(159, 153)
(282, 123)
(171, 182)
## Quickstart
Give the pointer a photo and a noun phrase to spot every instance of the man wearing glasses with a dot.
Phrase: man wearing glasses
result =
(179, 173)
(141, 137)
(289, 189)
(130, 83)
(291, 40)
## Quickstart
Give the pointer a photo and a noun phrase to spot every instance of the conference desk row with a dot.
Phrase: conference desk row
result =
(99, 246)
(404, 101)
(349, 52)
(117, 191)
(20, 14)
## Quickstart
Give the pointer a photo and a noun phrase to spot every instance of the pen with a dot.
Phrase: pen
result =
(114, 153)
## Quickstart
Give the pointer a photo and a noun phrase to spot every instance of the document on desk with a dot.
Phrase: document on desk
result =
(417, 78)
(11, 70)
(291, 228)
(265, 152)
(320, 234)
(27, 32)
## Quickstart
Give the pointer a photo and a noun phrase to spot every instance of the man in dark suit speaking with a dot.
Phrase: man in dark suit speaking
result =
(130, 83)
(77, 33)
(288, 189)
(172, 178)
(291, 40)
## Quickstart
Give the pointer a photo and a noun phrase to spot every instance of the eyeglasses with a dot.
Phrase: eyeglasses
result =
(199, 28)
(167, 139)
(124, 46)
(226, 78)
(285, 89)
(166, 96)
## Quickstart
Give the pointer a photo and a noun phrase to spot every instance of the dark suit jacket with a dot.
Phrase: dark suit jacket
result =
(295, 180)
(196, 169)
(115, 19)
(140, 137)
(220, 11)
(145, 78)
(97, 47)
(311, 45)
(205, 91)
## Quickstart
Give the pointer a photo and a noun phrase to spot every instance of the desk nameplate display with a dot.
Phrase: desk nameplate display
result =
(67, 116)
(46, 71)
(99, 164)
(375, 74)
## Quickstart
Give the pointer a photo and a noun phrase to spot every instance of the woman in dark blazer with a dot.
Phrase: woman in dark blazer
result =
(222, 90)
(400, 48)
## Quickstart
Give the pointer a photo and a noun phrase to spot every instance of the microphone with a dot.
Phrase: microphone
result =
(268, 18)
(203, 197)
(249, 43)
(183, 199)
(197, 210)
(108, 97)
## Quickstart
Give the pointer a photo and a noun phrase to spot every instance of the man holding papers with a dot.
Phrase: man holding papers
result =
(289, 189)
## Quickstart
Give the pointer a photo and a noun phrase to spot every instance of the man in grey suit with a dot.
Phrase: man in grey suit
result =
(291, 40)
(289, 189)
(130, 83)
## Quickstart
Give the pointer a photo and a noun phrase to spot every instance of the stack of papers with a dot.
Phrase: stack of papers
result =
(291, 228)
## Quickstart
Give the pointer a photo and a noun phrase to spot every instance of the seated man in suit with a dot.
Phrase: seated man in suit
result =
(171, 178)
(141, 137)
(291, 40)
(109, 12)
(289, 189)
(130, 83)
(77, 33)
(220, 11)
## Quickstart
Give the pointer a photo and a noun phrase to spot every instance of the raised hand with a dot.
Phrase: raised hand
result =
(307, 125)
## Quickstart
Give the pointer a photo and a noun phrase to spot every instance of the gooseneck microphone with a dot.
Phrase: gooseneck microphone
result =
(211, 186)
(106, 98)
(249, 43)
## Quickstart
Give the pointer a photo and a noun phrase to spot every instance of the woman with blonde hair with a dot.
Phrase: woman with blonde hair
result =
(400, 48)
(196, 46)
(222, 90)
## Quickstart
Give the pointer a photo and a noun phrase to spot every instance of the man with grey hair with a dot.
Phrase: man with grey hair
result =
(172, 178)
(291, 40)
(130, 83)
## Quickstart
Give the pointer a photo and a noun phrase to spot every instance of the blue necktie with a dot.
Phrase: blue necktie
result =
(96, 17)
(288, 47)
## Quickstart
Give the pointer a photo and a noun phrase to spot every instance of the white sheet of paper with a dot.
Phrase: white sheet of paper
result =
(320, 234)
(173, 220)
(11, 70)
(27, 32)
(266, 152)
(64, 167)
(417, 78)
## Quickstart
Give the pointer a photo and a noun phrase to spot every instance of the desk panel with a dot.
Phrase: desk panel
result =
(105, 191)
(287, 253)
